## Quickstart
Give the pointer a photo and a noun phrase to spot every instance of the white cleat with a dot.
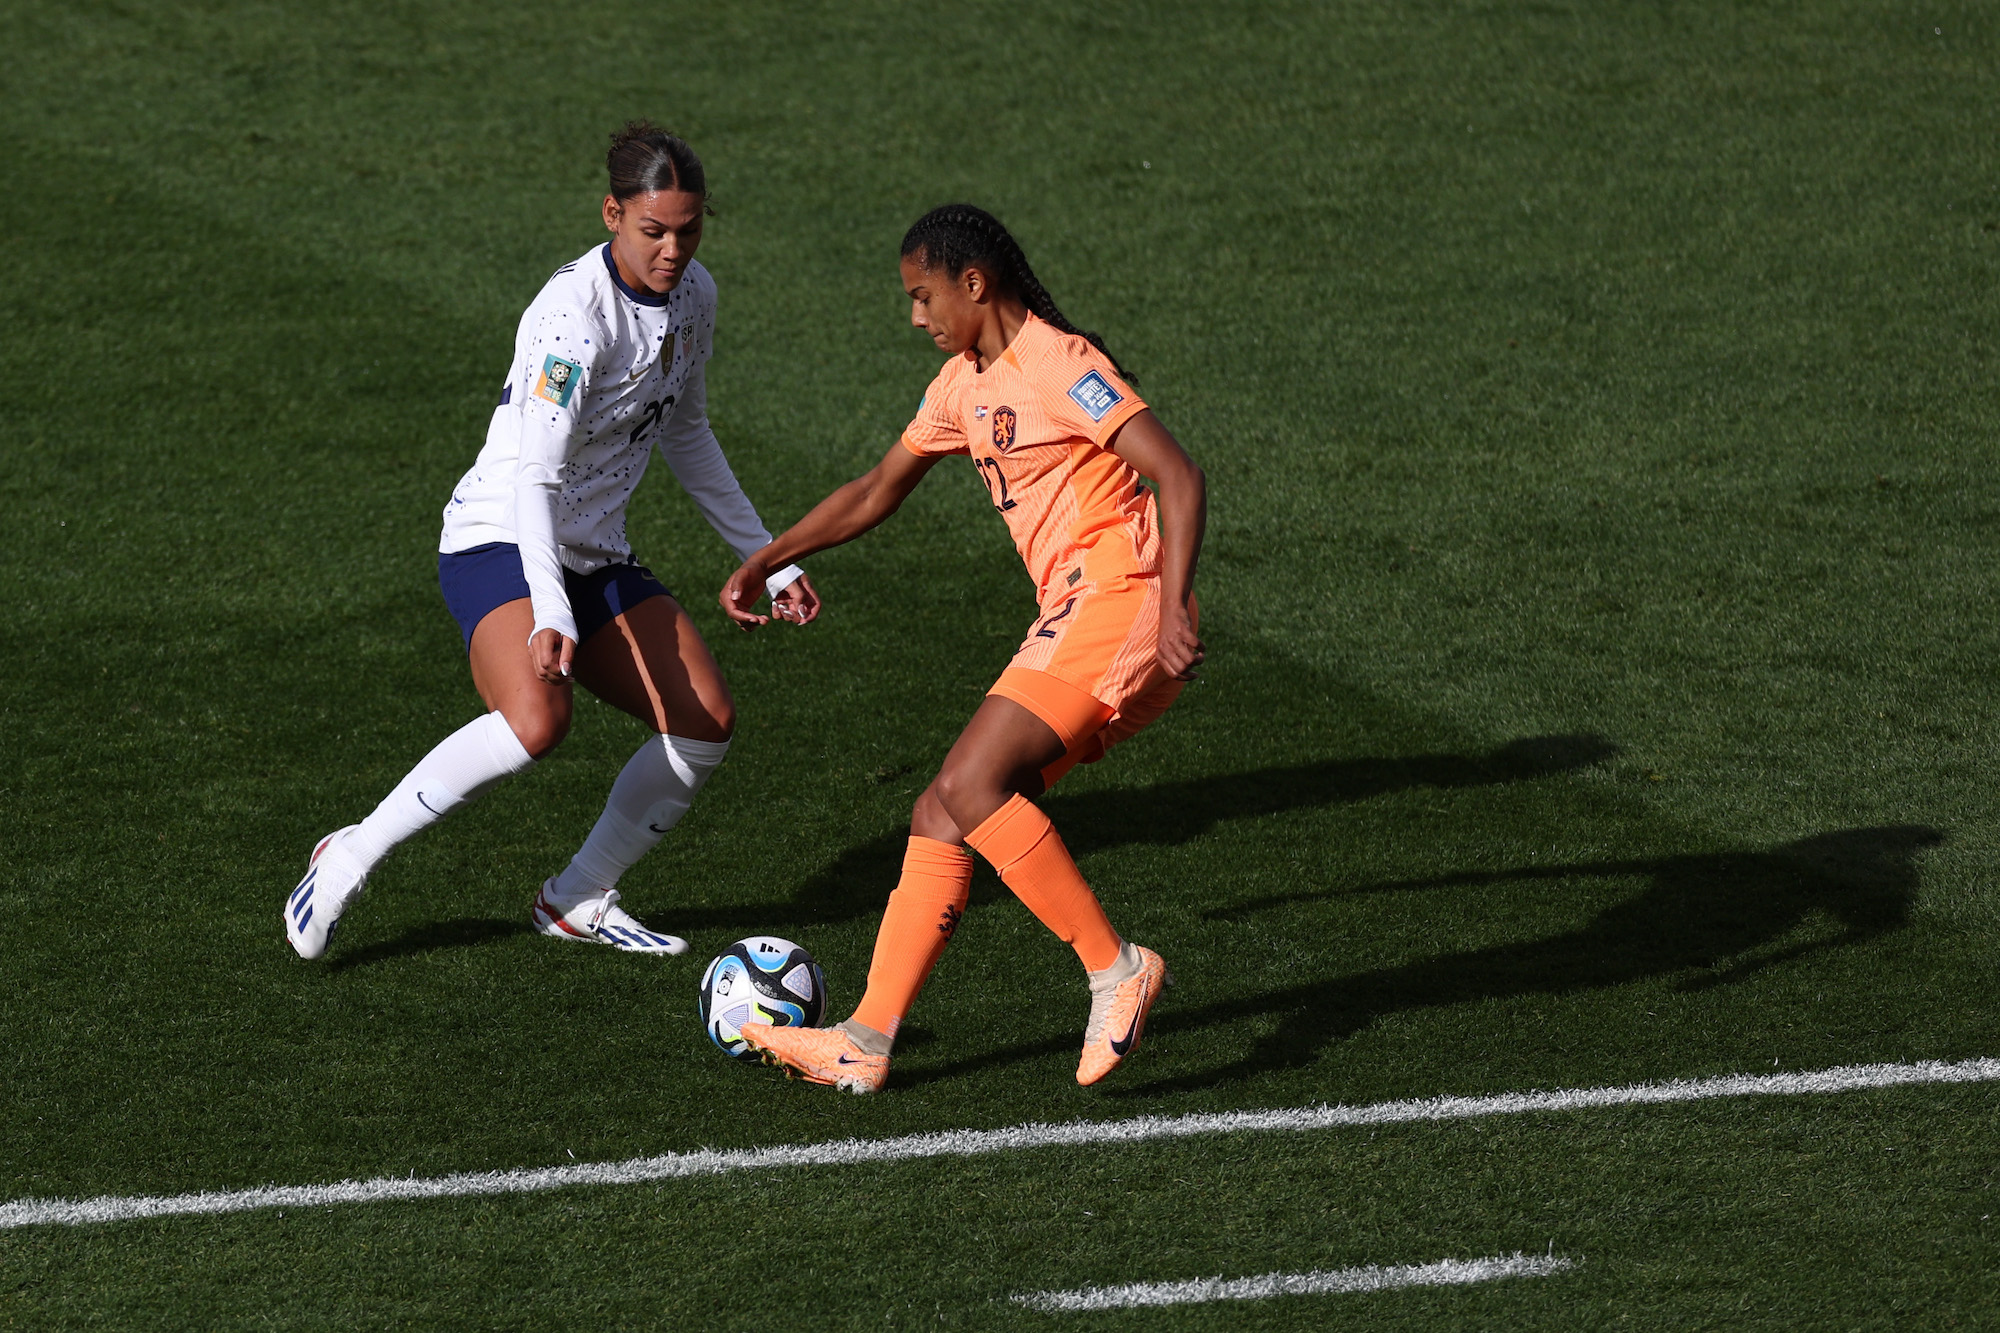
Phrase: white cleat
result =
(596, 918)
(314, 908)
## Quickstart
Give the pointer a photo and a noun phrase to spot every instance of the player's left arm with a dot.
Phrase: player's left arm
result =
(1183, 495)
(689, 446)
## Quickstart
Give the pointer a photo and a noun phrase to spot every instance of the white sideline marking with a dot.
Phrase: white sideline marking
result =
(1443, 1273)
(978, 1142)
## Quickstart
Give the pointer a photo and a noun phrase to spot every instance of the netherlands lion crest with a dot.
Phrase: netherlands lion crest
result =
(1003, 428)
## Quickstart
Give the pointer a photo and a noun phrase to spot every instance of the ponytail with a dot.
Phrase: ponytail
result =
(645, 158)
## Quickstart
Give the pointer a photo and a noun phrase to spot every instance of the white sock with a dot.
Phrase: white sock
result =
(1122, 969)
(652, 793)
(462, 767)
(868, 1039)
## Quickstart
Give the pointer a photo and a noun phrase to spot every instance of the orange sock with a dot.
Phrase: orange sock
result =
(922, 913)
(1029, 854)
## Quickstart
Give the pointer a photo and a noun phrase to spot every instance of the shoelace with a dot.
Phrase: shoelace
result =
(610, 897)
(1100, 1012)
(354, 889)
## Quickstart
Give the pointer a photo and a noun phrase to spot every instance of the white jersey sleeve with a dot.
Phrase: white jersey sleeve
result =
(695, 455)
(562, 350)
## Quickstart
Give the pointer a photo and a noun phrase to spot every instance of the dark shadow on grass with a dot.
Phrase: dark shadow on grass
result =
(459, 934)
(858, 883)
(1717, 917)
(1714, 918)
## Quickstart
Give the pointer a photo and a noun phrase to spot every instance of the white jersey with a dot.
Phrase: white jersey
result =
(602, 375)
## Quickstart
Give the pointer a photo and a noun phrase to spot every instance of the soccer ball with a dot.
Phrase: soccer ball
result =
(760, 980)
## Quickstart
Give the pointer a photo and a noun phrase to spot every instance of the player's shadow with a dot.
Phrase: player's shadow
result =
(1717, 917)
(461, 933)
(1712, 918)
(857, 884)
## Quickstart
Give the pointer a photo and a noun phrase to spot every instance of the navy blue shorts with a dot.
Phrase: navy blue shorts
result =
(476, 581)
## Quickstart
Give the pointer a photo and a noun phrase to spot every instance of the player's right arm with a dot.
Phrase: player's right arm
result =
(844, 515)
(553, 377)
(1182, 498)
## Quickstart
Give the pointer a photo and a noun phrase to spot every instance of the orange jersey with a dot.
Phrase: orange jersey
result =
(1035, 422)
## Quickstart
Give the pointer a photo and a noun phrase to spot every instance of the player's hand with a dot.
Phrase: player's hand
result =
(550, 654)
(1180, 647)
(798, 603)
(739, 595)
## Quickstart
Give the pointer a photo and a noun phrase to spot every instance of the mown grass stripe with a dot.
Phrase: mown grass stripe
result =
(1443, 1273)
(977, 1142)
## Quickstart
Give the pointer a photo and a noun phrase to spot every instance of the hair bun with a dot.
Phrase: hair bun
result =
(645, 158)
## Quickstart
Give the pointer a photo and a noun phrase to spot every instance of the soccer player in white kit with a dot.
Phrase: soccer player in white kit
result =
(534, 564)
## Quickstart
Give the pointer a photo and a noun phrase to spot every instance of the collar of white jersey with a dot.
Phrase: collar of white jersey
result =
(643, 298)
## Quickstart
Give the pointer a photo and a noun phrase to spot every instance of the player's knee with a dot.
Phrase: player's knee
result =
(540, 729)
(962, 792)
(712, 722)
(946, 789)
(929, 818)
(928, 808)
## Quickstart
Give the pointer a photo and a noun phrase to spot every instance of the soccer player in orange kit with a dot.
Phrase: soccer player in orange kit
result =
(1061, 441)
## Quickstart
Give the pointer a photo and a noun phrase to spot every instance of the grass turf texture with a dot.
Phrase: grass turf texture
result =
(1596, 405)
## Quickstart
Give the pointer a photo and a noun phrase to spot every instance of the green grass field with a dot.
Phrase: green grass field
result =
(1598, 405)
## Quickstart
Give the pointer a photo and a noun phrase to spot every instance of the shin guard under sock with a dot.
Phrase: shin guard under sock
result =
(652, 792)
(1029, 854)
(919, 921)
(460, 769)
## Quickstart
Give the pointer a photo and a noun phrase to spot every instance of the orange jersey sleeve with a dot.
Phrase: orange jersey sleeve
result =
(1081, 392)
(937, 427)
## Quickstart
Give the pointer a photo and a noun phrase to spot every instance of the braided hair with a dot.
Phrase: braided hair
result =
(958, 236)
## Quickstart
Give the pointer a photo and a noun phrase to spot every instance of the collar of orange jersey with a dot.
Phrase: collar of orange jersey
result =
(1034, 323)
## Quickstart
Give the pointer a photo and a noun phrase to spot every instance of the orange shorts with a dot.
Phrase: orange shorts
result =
(1090, 668)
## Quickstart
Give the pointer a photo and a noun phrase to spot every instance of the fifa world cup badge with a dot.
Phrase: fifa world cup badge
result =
(558, 380)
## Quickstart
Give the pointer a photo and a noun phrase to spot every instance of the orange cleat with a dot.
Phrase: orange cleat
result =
(1118, 1017)
(818, 1055)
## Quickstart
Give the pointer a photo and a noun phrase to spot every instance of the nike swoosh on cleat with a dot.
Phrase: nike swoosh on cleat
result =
(843, 1060)
(1119, 1048)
